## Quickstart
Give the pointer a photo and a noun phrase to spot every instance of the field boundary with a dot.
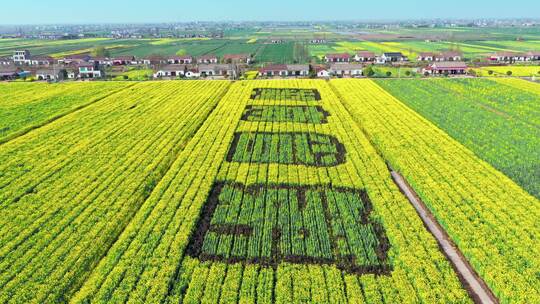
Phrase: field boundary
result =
(29, 129)
(472, 282)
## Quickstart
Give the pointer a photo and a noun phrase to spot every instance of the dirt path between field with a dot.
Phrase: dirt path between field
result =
(474, 284)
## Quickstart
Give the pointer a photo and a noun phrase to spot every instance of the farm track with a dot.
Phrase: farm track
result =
(471, 281)
(61, 115)
(474, 284)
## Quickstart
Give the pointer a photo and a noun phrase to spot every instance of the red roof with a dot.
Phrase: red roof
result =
(185, 57)
(451, 54)
(365, 54)
(208, 57)
(426, 54)
(507, 54)
(336, 56)
(124, 58)
(274, 68)
(319, 68)
(85, 64)
(236, 56)
(43, 58)
(448, 65)
(78, 56)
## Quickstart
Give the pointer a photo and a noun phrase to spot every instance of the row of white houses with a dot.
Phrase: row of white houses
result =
(510, 57)
(303, 70)
(366, 56)
(448, 56)
(196, 71)
(24, 57)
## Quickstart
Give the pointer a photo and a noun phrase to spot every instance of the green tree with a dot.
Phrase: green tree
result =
(509, 73)
(369, 72)
(490, 72)
(388, 74)
(101, 51)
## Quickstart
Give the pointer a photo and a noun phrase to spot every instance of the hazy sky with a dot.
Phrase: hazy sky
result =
(120, 11)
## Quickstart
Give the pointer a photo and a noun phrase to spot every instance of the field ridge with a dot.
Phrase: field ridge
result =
(30, 128)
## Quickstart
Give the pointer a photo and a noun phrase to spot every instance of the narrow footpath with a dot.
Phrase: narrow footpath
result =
(474, 284)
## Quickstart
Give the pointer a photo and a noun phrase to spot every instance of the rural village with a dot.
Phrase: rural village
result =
(24, 65)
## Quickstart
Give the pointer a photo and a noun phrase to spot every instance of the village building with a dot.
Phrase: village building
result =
(426, 56)
(446, 68)
(533, 56)
(343, 57)
(154, 60)
(207, 59)
(124, 60)
(193, 73)
(88, 70)
(171, 71)
(71, 72)
(449, 56)
(50, 74)
(21, 57)
(102, 61)
(391, 57)
(276, 40)
(223, 70)
(180, 59)
(41, 60)
(298, 70)
(321, 71)
(274, 70)
(237, 58)
(346, 70)
(284, 70)
(4, 61)
(9, 73)
(508, 57)
(364, 56)
(75, 59)
(318, 41)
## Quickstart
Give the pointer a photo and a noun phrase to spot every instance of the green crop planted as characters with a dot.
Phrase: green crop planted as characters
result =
(286, 94)
(298, 114)
(310, 149)
(269, 224)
